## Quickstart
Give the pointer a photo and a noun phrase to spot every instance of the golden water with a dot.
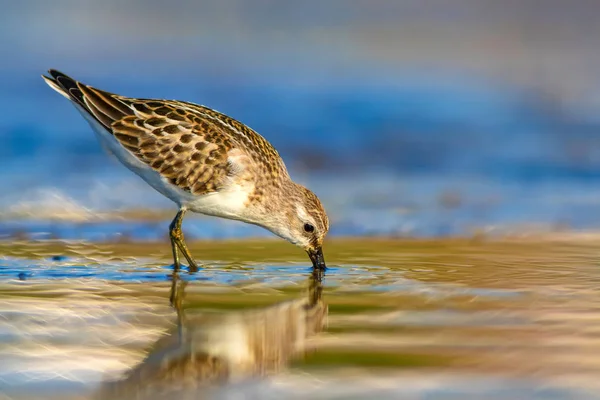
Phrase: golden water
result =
(391, 319)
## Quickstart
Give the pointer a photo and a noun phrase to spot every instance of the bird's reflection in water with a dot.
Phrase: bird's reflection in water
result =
(211, 349)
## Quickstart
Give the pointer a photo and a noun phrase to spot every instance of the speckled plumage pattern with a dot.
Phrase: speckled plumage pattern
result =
(202, 159)
(185, 142)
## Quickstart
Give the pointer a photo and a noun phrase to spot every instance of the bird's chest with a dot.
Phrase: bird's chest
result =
(231, 202)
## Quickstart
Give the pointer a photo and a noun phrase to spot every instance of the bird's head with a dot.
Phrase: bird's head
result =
(301, 220)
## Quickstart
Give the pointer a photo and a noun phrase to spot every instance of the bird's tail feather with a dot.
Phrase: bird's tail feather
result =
(65, 85)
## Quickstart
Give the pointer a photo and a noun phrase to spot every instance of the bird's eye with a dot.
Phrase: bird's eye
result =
(308, 228)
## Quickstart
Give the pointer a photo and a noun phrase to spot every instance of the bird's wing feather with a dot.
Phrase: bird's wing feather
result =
(188, 150)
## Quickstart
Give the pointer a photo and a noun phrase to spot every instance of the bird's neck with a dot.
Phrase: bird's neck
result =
(273, 207)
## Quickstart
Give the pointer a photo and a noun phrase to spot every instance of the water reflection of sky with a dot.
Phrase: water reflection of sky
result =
(389, 204)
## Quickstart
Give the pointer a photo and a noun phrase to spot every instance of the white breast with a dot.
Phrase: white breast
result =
(227, 203)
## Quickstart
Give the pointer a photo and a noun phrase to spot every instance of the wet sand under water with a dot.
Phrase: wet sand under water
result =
(443, 319)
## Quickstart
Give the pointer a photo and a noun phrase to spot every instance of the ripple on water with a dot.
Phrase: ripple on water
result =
(347, 278)
(458, 320)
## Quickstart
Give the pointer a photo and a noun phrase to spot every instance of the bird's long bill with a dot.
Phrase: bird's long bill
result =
(316, 256)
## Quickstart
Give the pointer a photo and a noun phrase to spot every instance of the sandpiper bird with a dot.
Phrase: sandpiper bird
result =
(204, 161)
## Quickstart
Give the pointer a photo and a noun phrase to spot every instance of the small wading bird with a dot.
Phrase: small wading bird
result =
(204, 161)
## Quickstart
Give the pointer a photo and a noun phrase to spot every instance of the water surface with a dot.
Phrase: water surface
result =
(447, 319)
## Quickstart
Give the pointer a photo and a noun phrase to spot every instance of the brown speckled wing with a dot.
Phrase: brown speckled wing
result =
(187, 143)
(190, 155)
(262, 166)
(180, 152)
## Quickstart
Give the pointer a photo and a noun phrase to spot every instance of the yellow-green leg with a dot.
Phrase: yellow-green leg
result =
(178, 243)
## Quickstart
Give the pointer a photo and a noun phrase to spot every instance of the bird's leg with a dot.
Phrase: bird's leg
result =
(176, 264)
(177, 242)
(172, 235)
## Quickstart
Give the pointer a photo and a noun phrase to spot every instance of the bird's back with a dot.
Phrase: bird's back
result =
(194, 148)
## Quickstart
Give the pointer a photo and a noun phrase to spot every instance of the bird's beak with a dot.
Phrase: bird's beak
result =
(316, 256)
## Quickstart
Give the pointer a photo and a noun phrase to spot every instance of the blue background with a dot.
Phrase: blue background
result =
(418, 118)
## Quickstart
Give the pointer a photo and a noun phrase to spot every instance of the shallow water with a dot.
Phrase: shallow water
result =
(440, 319)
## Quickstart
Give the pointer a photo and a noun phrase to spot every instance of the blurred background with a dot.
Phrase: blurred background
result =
(408, 118)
